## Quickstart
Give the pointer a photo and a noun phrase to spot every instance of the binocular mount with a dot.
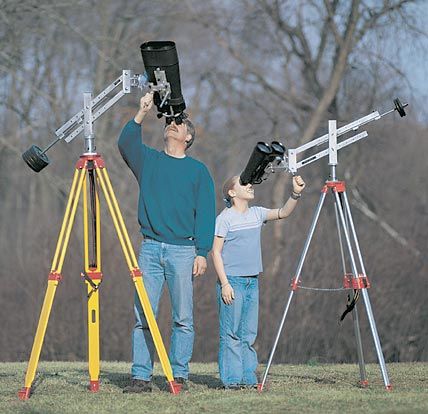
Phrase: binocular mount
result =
(266, 159)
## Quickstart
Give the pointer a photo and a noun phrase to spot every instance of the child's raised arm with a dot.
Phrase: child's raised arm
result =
(290, 204)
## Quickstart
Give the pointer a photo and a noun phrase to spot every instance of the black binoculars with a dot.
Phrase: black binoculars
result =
(262, 155)
(161, 63)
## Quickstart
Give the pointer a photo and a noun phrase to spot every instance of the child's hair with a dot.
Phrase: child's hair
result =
(227, 186)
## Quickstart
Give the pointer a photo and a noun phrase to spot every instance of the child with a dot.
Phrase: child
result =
(237, 260)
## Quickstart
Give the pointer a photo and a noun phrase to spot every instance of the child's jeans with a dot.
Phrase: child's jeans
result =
(237, 359)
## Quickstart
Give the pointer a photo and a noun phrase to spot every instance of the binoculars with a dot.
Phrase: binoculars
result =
(262, 155)
(161, 63)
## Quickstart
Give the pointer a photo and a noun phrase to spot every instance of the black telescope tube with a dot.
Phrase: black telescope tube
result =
(256, 164)
(163, 55)
(258, 178)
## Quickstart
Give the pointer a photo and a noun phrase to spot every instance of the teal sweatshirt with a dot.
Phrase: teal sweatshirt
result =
(177, 202)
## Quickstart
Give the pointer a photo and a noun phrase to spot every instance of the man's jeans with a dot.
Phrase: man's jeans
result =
(237, 359)
(160, 263)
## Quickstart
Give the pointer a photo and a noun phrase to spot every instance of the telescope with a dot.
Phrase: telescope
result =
(162, 76)
(90, 179)
(262, 155)
(161, 63)
(257, 169)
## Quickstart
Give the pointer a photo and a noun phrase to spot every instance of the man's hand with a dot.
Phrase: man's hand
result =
(227, 294)
(146, 103)
(298, 184)
(199, 266)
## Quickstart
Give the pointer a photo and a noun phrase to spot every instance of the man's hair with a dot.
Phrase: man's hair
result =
(191, 131)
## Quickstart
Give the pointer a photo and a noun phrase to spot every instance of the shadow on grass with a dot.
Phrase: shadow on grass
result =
(80, 378)
(77, 377)
(209, 380)
(122, 380)
(310, 378)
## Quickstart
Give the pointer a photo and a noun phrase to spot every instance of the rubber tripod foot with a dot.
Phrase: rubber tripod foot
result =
(24, 393)
(94, 386)
(261, 387)
(389, 387)
(364, 383)
(174, 387)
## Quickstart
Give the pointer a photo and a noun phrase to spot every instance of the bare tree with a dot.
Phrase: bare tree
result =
(250, 69)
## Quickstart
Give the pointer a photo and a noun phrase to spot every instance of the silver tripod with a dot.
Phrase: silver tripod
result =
(357, 280)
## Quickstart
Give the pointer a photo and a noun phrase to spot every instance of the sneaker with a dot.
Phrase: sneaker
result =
(138, 386)
(232, 387)
(184, 383)
(250, 386)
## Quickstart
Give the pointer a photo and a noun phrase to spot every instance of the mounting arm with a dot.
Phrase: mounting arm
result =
(290, 162)
(93, 108)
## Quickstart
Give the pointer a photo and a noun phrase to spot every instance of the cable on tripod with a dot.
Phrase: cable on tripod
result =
(94, 286)
(351, 304)
(93, 215)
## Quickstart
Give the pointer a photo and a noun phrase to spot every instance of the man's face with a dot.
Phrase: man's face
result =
(176, 132)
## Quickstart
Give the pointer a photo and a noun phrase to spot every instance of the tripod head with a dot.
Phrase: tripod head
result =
(162, 76)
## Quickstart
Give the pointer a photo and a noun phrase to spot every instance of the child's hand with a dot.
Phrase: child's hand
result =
(227, 294)
(298, 184)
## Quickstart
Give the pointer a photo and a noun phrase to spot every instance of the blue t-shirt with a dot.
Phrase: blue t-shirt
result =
(242, 253)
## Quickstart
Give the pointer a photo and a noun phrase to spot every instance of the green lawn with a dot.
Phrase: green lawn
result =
(61, 387)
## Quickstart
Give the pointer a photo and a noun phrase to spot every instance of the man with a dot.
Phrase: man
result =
(176, 212)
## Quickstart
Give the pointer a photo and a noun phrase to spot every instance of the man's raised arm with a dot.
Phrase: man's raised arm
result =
(130, 145)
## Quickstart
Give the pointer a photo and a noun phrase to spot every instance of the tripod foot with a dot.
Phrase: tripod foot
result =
(364, 383)
(94, 386)
(388, 387)
(261, 387)
(174, 387)
(24, 393)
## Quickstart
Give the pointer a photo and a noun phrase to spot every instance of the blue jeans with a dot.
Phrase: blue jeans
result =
(237, 358)
(160, 263)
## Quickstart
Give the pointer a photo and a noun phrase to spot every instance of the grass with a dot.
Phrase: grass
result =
(312, 388)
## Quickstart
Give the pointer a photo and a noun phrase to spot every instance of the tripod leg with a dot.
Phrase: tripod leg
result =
(93, 337)
(94, 277)
(357, 332)
(24, 393)
(365, 294)
(136, 276)
(76, 180)
(296, 280)
(53, 279)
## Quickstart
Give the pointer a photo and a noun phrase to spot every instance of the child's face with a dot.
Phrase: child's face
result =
(243, 192)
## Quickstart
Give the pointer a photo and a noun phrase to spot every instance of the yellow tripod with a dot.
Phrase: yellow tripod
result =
(91, 169)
